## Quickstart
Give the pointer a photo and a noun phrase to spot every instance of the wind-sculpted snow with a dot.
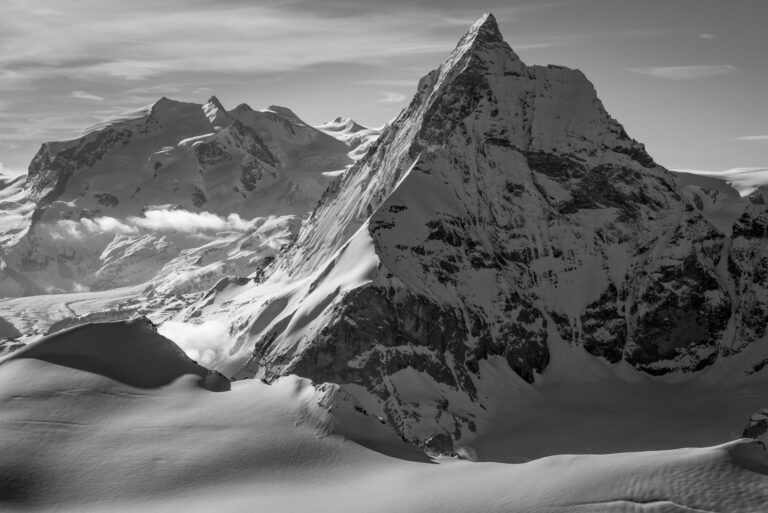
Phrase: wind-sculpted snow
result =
(81, 437)
(129, 352)
(506, 211)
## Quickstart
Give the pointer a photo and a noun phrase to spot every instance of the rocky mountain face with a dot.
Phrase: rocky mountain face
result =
(92, 213)
(503, 211)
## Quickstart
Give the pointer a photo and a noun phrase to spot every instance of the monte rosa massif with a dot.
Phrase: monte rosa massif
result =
(496, 302)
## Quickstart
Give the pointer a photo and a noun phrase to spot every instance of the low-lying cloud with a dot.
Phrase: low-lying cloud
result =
(204, 342)
(190, 222)
(161, 221)
(744, 179)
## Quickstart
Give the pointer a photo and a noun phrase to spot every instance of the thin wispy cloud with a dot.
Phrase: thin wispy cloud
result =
(536, 46)
(83, 95)
(128, 52)
(390, 97)
(753, 138)
(255, 51)
(411, 82)
(685, 72)
(137, 43)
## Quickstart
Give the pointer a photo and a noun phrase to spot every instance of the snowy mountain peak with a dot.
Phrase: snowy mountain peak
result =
(214, 102)
(216, 113)
(342, 125)
(484, 29)
(484, 35)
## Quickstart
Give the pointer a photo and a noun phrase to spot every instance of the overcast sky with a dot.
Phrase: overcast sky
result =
(687, 77)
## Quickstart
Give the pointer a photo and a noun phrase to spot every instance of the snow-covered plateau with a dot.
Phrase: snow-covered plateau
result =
(496, 302)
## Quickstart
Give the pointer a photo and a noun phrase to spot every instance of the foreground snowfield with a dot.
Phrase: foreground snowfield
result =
(114, 417)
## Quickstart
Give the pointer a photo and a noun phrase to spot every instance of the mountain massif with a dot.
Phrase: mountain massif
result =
(139, 192)
(502, 234)
(502, 213)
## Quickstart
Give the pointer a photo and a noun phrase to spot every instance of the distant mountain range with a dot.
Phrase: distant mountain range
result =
(86, 217)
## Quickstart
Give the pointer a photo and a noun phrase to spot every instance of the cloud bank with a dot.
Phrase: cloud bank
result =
(162, 221)
(685, 72)
(202, 342)
(754, 138)
(744, 179)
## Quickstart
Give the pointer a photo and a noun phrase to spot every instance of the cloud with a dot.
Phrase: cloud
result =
(4, 171)
(744, 179)
(203, 342)
(160, 221)
(707, 35)
(82, 95)
(76, 230)
(685, 72)
(389, 82)
(390, 97)
(155, 90)
(108, 224)
(758, 138)
(536, 46)
(183, 221)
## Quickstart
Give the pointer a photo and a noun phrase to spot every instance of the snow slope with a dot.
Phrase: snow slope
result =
(129, 352)
(358, 138)
(77, 437)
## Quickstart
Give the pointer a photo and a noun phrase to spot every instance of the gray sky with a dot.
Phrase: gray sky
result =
(687, 77)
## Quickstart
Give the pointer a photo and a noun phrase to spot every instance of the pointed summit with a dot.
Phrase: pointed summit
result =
(483, 35)
(485, 29)
(482, 49)
(216, 113)
(214, 102)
